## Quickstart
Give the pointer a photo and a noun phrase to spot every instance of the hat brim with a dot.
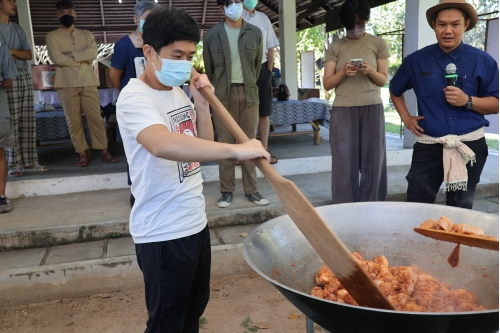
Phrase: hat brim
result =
(466, 7)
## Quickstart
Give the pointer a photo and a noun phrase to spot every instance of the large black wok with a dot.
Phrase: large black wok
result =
(279, 252)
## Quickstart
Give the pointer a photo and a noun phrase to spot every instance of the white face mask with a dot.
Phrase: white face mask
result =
(234, 11)
(357, 31)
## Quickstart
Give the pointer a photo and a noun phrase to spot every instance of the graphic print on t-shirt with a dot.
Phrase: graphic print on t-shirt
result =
(183, 122)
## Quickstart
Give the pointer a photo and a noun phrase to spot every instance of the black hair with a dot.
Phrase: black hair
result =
(349, 9)
(222, 3)
(463, 13)
(165, 26)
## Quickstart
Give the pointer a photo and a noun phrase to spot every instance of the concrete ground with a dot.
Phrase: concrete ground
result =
(78, 244)
(50, 220)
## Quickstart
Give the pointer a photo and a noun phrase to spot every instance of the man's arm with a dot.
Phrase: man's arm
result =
(8, 69)
(203, 118)
(56, 55)
(258, 60)
(411, 122)
(7, 83)
(162, 143)
(90, 53)
(270, 58)
(21, 54)
(482, 105)
(115, 75)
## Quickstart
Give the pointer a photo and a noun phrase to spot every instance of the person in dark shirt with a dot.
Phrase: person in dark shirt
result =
(128, 56)
(450, 122)
(129, 47)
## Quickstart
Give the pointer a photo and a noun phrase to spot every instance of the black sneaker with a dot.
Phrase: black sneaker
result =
(257, 199)
(132, 200)
(5, 205)
(225, 200)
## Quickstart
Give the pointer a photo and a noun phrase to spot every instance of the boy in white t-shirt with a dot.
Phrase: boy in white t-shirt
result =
(165, 138)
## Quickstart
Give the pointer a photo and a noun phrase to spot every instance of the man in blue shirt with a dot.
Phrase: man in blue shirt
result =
(450, 122)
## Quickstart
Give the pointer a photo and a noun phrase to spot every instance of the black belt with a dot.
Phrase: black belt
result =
(237, 84)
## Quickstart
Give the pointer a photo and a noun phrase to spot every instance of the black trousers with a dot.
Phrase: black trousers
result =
(426, 174)
(177, 282)
(265, 91)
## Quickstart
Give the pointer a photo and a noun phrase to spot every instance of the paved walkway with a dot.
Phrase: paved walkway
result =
(114, 247)
(50, 220)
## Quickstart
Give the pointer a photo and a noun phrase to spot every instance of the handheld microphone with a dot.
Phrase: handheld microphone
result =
(451, 69)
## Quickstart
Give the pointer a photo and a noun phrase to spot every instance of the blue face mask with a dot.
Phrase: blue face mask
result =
(250, 4)
(141, 25)
(234, 11)
(173, 72)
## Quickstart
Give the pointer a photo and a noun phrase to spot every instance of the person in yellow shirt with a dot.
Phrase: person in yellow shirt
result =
(73, 50)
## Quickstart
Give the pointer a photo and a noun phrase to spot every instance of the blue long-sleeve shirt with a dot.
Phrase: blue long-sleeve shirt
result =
(425, 70)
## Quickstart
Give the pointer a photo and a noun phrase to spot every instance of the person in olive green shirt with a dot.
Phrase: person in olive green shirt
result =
(232, 52)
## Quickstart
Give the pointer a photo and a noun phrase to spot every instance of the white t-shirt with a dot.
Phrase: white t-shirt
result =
(261, 21)
(169, 203)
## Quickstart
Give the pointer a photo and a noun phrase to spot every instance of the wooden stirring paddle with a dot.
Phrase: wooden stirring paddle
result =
(329, 247)
(453, 237)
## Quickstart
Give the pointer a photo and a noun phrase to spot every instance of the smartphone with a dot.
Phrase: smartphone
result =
(357, 62)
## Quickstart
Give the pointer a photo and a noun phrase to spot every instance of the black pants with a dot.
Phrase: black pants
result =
(177, 282)
(426, 174)
(265, 91)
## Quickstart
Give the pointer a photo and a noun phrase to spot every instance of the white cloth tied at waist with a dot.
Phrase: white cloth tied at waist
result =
(456, 155)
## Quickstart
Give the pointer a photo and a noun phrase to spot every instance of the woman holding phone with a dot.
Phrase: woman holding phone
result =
(357, 66)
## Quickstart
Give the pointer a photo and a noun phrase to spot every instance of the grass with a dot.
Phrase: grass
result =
(201, 322)
(393, 123)
(248, 324)
(492, 141)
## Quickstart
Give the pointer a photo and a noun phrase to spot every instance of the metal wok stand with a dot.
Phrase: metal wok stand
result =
(309, 325)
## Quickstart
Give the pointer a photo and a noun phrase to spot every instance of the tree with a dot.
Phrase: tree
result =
(388, 22)
(477, 36)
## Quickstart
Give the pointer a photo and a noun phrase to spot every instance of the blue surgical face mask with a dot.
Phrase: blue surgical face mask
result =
(141, 25)
(234, 11)
(250, 4)
(173, 72)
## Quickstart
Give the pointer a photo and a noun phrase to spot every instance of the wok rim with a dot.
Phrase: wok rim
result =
(274, 282)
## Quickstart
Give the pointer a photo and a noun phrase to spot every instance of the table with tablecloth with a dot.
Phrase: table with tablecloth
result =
(51, 125)
(106, 95)
(301, 112)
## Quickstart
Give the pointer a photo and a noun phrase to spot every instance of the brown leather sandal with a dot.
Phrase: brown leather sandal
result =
(82, 161)
(274, 159)
(107, 157)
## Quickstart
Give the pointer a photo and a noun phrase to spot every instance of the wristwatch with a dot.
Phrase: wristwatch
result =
(469, 104)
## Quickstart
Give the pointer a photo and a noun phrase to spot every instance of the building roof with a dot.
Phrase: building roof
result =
(109, 20)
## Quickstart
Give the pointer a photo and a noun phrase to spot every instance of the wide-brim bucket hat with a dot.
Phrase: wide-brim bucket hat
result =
(459, 4)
